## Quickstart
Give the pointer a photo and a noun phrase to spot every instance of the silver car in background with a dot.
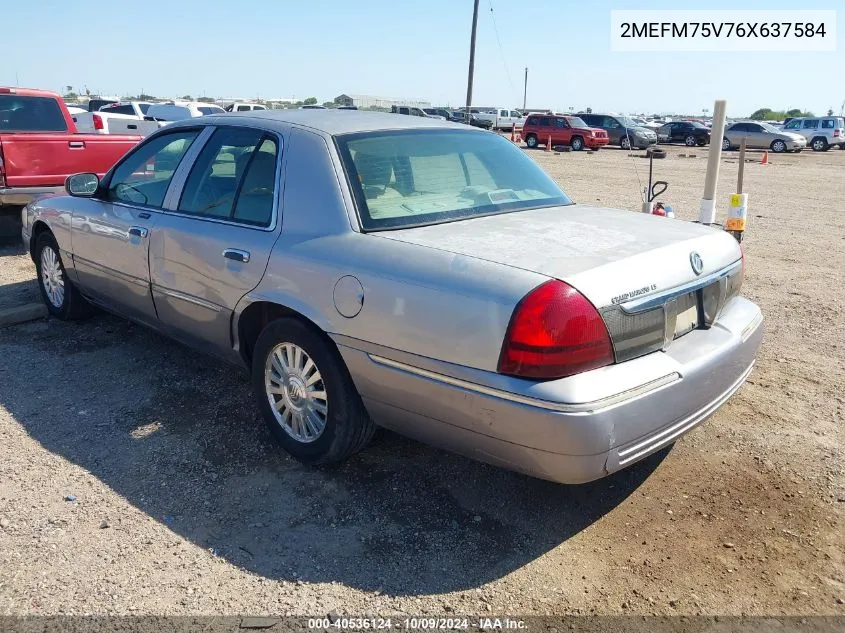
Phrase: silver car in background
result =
(761, 135)
(412, 273)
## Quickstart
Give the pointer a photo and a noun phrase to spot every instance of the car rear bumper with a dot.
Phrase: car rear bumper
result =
(17, 196)
(624, 412)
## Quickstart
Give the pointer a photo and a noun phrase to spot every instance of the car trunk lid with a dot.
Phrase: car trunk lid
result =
(652, 278)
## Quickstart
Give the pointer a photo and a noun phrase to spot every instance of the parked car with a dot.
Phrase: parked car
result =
(313, 107)
(413, 111)
(40, 147)
(460, 116)
(347, 107)
(177, 111)
(122, 117)
(621, 130)
(821, 132)
(490, 326)
(443, 113)
(244, 107)
(503, 119)
(761, 135)
(540, 129)
(690, 133)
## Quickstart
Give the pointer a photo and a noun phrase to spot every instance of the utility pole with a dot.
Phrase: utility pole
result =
(471, 59)
(525, 91)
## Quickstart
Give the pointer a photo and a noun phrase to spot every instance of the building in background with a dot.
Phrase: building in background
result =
(368, 101)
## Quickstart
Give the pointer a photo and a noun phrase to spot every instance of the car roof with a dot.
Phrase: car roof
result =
(334, 122)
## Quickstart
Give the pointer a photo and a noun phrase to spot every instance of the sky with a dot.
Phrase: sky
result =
(402, 49)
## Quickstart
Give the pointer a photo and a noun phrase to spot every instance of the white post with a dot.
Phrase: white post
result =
(707, 213)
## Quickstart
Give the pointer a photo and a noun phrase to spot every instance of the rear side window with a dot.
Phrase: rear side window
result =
(811, 124)
(30, 114)
(143, 178)
(829, 124)
(243, 108)
(233, 178)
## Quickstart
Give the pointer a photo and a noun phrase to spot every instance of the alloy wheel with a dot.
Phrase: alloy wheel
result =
(52, 277)
(296, 392)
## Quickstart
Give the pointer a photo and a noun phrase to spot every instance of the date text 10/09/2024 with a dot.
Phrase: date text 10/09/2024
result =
(414, 624)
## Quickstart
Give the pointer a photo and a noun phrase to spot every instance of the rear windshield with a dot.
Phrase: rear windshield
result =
(30, 114)
(411, 178)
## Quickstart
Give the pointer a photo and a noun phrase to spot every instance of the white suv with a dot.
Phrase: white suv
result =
(821, 132)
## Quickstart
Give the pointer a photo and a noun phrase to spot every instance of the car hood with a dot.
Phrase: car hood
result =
(605, 253)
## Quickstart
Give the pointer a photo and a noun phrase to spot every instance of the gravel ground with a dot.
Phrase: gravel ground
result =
(137, 478)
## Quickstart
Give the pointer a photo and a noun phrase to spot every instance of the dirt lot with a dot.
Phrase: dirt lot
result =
(184, 505)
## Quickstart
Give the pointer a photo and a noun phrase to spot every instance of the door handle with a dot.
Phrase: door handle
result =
(138, 231)
(236, 254)
(144, 215)
(76, 144)
(132, 126)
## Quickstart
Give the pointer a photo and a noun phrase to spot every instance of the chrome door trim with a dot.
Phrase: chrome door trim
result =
(585, 407)
(186, 297)
(656, 300)
(111, 271)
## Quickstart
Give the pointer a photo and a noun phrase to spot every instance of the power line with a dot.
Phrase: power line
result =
(501, 49)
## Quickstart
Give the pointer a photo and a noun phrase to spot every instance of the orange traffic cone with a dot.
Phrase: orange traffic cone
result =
(549, 144)
(513, 132)
(765, 160)
(518, 137)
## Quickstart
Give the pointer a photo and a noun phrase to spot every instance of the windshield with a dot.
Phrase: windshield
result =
(577, 122)
(410, 178)
(698, 124)
(769, 127)
(628, 121)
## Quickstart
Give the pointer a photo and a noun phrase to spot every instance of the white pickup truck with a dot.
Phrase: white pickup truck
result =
(124, 117)
(501, 118)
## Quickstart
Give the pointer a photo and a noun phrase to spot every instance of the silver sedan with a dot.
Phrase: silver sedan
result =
(416, 274)
(761, 135)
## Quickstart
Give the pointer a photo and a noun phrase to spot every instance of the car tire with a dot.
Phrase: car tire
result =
(59, 293)
(625, 142)
(726, 145)
(778, 146)
(576, 143)
(320, 423)
(819, 144)
(531, 141)
(690, 141)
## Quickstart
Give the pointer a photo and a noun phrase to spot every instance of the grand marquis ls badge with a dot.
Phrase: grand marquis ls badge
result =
(696, 263)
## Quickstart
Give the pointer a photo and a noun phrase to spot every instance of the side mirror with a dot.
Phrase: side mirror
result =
(82, 185)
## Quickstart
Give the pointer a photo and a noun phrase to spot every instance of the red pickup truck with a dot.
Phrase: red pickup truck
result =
(40, 147)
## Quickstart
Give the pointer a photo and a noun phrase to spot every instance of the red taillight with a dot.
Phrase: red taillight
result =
(98, 122)
(554, 332)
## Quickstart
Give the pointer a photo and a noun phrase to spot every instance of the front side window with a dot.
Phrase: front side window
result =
(144, 107)
(143, 178)
(30, 114)
(811, 124)
(234, 178)
(416, 177)
(829, 124)
(561, 123)
(793, 125)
